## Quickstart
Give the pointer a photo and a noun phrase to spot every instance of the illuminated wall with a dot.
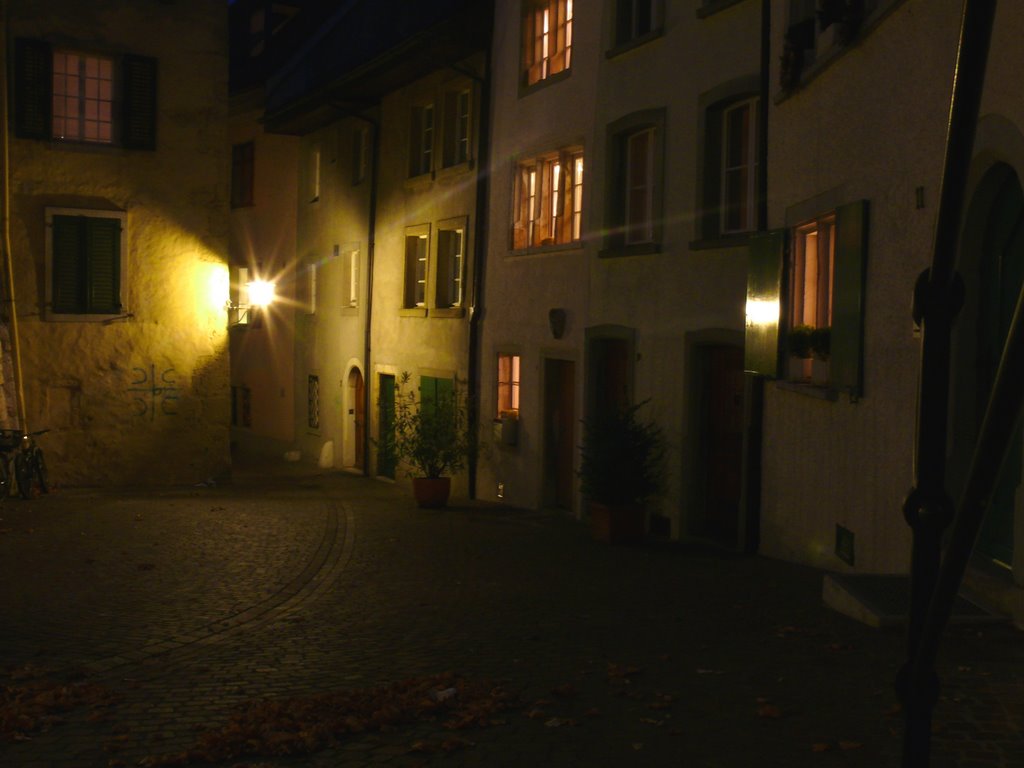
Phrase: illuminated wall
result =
(140, 397)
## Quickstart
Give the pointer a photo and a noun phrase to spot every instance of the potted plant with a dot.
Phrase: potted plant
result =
(431, 439)
(621, 469)
(821, 342)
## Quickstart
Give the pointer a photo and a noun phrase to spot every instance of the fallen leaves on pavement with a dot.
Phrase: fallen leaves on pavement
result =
(31, 703)
(308, 724)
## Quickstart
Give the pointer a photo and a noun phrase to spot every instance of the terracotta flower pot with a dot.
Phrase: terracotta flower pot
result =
(431, 492)
(616, 524)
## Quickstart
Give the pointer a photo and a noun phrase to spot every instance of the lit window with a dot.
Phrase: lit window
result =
(508, 384)
(813, 256)
(739, 166)
(83, 93)
(421, 147)
(548, 199)
(547, 38)
(71, 96)
(812, 277)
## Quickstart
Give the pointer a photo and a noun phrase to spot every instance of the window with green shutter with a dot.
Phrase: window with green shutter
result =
(812, 331)
(85, 258)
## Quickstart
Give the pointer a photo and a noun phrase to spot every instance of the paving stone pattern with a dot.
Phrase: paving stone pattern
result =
(184, 605)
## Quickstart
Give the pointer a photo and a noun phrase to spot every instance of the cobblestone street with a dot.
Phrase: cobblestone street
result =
(170, 609)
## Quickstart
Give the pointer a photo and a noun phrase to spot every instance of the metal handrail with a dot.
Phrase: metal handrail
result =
(928, 510)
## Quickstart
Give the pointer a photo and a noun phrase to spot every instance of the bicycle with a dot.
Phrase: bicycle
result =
(29, 463)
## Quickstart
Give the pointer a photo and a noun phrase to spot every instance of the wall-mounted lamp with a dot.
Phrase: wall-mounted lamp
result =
(253, 296)
(556, 319)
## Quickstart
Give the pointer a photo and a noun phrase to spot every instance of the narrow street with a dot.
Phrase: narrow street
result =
(136, 624)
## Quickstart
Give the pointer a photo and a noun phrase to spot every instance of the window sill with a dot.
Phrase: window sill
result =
(737, 240)
(818, 391)
(60, 317)
(455, 170)
(412, 312)
(447, 312)
(575, 245)
(636, 249)
(711, 7)
(834, 49)
(421, 181)
(628, 45)
(526, 89)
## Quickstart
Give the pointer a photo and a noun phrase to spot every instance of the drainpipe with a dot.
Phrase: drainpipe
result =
(8, 259)
(371, 236)
(762, 140)
(479, 254)
(753, 410)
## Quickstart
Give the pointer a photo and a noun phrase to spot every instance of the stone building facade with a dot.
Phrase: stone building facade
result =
(118, 178)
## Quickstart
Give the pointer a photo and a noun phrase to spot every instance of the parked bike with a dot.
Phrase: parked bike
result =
(29, 466)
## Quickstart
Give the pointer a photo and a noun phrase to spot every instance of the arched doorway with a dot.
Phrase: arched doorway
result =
(355, 421)
(993, 269)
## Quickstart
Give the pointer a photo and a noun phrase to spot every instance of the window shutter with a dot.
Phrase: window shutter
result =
(33, 78)
(847, 340)
(67, 267)
(764, 287)
(103, 256)
(139, 102)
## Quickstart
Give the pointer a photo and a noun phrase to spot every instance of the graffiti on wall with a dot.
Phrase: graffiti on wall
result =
(152, 392)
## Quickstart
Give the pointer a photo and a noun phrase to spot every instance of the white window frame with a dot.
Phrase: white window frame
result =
(450, 279)
(747, 166)
(422, 127)
(644, 233)
(415, 285)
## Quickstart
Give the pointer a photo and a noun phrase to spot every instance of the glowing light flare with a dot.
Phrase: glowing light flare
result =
(762, 311)
(261, 293)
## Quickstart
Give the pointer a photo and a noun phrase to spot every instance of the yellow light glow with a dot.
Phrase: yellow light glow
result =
(261, 293)
(762, 312)
(218, 285)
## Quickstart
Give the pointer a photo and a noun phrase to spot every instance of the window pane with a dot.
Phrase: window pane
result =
(639, 187)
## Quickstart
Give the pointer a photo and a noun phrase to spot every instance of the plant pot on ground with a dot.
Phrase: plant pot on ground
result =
(430, 439)
(621, 469)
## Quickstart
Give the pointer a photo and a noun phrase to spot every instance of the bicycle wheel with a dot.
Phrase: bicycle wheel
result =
(5, 477)
(41, 474)
(23, 474)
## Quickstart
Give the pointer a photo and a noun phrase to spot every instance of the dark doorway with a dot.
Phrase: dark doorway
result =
(559, 431)
(386, 423)
(720, 441)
